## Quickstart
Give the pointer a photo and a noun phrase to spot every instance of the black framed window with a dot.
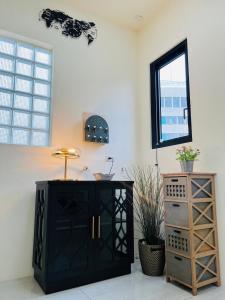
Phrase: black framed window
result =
(170, 98)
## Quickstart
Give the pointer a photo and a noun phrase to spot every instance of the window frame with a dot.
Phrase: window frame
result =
(155, 66)
(35, 46)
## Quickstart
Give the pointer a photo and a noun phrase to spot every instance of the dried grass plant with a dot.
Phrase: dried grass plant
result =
(148, 202)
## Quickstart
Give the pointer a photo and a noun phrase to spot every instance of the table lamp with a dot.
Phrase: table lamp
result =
(66, 153)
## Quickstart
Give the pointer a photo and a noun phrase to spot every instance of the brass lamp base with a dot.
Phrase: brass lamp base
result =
(66, 154)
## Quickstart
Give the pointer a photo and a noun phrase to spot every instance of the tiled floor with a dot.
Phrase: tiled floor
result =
(136, 286)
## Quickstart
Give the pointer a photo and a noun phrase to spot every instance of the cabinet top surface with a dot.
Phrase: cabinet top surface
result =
(188, 174)
(67, 182)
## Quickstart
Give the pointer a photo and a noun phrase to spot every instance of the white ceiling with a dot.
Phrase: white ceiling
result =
(123, 12)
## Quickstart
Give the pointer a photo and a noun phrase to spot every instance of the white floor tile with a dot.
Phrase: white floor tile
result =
(28, 289)
(135, 286)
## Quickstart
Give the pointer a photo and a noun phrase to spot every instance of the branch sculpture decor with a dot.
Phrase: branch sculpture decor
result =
(70, 27)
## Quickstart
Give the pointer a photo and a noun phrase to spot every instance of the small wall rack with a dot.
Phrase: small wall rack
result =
(96, 130)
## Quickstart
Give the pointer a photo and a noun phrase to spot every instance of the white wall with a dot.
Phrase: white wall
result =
(202, 22)
(100, 78)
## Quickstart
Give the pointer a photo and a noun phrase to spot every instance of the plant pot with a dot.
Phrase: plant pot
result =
(152, 258)
(187, 166)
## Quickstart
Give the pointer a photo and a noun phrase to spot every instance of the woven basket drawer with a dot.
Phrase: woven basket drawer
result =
(178, 267)
(176, 213)
(178, 240)
(175, 188)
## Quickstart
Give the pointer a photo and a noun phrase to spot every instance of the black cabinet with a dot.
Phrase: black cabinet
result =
(83, 232)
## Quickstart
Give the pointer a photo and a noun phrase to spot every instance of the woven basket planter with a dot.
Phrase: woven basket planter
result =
(152, 258)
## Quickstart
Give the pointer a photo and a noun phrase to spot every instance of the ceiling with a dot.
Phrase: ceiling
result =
(130, 13)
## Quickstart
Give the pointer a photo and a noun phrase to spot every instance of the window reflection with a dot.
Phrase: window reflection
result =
(173, 99)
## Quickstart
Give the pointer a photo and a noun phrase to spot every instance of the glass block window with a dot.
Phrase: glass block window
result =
(25, 93)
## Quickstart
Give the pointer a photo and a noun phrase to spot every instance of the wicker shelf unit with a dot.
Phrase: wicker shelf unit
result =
(192, 257)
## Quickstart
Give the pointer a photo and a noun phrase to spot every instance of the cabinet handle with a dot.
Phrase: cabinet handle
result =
(177, 231)
(99, 227)
(178, 258)
(175, 205)
(174, 180)
(93, 228)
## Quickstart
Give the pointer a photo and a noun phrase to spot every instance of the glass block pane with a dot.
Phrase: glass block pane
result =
(7, 47)
(20, 136)
(6, 64)
(5, 99)
(5, 117)
(42, 73)
(24, 68)
(42, 56)
(40, 122)
(39, 138)
(22, 102)
(21, 119)
(6, 81)
(40, 105)
(42, 89)
(23, 85)
(4, 135)
(24, 51)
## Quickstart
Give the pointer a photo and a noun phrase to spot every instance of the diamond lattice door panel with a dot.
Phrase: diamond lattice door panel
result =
(69, 202)
(121, 245)
(201, 188)
(112, 243)
(70, 237)
(104, 241)
(70, 242)
(39, 229)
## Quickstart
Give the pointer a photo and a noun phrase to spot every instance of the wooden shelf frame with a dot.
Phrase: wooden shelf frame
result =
(199, 198)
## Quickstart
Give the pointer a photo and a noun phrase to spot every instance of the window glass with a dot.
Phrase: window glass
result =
(25, 93)
(170, 100)
(176, 102)
(173, 84)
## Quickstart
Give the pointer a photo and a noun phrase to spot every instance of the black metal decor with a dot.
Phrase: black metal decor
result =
(70, 27)
(96, 130)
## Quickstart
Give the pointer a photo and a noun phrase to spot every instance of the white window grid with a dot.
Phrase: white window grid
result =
(20, 127)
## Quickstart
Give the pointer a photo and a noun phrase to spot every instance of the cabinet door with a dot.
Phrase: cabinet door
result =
(70, 243)
(114, 243)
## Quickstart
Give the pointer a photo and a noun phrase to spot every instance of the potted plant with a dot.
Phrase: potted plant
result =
(187, 156)
(149, 216)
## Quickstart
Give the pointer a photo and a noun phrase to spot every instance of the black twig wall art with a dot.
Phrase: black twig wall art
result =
(70, 27)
